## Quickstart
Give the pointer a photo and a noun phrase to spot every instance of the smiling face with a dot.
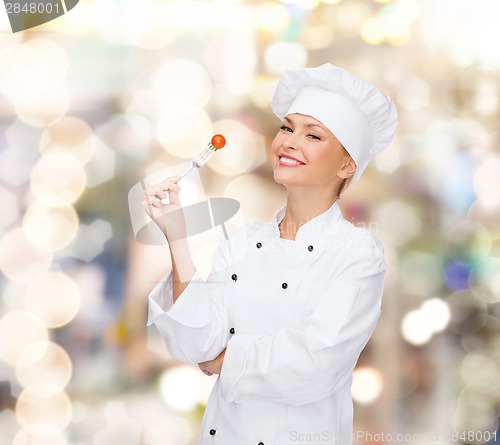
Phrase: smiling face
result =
(306, 153)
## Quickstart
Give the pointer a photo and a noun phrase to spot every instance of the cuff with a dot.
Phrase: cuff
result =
(192, 308)
(233, 366)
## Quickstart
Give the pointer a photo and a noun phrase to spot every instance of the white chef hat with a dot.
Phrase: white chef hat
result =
(360, 116)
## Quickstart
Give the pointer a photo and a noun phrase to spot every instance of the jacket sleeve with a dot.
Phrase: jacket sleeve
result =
(195, 327)
(306, 364)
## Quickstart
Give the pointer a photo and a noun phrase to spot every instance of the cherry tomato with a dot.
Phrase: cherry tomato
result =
(218, 141)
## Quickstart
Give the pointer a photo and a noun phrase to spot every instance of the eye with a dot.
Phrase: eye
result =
(286, 128)
(313, 136)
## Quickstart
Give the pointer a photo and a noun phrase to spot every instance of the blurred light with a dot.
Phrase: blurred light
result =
(44, 362)
(39, 434)
(101, 167)
(58, 61)
(17, 77)
(50, 228)
(142, 25)
(401, 221)
(468, 239)
(53, 298)
(244, 149)
(127, 134)
(198, 15)
(120, 428)
(184, 131)
(490, 276)
(486, 216)
(478, 89)
(463, 304)
(331, 2)
(480, 367)
(172, 431)
(367, 385)
(263, 91)
(180, 387)
(69, 135)
(317, 37)
(348, 17)
(414, 94)
(19, 260)
(415, 329)
(17, 331)
(44, 403)
(231, 58)
(181, 82)
(272, 17)
(58, 179)
(248, 189)
(281, 56)
(45, 107)
(436, 313)
(10, 211)
(78, 21)
(392, 24)
(306, 4)
(421, 273)
(91, 239)
(457, 275)
(475, 416)
(487, 183)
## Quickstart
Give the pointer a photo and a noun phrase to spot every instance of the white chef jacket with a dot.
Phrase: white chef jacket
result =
(293, 315)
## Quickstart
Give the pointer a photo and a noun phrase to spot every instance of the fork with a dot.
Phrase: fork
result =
(201, 158)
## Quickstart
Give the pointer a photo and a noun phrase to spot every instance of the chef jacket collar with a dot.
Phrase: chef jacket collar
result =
(316, 227)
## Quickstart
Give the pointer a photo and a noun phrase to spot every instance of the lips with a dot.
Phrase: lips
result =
(289, 161)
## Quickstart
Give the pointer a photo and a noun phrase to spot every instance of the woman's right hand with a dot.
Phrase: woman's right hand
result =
(168, 217)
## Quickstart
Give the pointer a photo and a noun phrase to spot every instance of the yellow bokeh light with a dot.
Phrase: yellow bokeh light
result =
(281, 56)
(39, 434)
(244, 149)
(142, 25)
(367, 384)
(19, 329)
(272, 17)
(184, 131)
(70, 135)
(20, 261)
(317, 37)
(50, 228)
(181, 82)
(44, 403)
(76, 22)
(58, 179)
(180, 387)
(486, 183)
(44, 362)
(44, 107)
(249, 190)
(54, 298)
(24, 72)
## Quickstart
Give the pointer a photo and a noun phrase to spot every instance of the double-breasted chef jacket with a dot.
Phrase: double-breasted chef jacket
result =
(293, 315)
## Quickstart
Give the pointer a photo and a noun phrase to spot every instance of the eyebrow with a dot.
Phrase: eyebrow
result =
(307, 125)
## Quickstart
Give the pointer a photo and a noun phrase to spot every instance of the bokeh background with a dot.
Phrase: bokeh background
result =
(117, 90)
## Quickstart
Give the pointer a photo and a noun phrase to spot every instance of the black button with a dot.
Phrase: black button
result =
(231, 331)
(212, 432)
(260, 443)
(259, 245)
(234, 277)
(310, 248)
(284, 285)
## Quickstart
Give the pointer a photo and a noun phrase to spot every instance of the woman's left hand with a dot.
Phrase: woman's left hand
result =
(213, 366)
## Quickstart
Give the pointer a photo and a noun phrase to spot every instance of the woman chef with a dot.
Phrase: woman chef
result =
(291, 303)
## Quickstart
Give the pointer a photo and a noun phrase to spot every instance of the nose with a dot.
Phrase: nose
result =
(291, 141)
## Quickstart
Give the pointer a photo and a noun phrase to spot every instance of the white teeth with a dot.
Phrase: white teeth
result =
(290, 161)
